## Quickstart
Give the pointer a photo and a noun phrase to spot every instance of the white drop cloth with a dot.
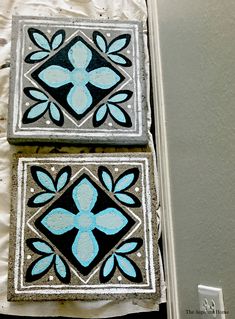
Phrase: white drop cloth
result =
(97, 9)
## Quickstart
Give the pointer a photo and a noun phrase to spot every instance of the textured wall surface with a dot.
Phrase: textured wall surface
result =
(198, 54)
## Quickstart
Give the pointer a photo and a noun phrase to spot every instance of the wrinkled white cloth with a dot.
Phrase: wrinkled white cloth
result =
(95, 9)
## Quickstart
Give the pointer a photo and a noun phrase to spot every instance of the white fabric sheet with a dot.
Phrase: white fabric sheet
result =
(97, 9)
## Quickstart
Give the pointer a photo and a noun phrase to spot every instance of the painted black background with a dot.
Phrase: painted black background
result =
(64, 242)
(61, 59)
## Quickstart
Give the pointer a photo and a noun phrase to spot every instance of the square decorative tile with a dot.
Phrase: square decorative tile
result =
(77, 81)
(83, 227)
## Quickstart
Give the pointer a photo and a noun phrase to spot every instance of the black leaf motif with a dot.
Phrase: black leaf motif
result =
(39, 39)
(119, 43)
(66, 278)
(106, 178)
(57, 39)
(35, 112)
(40, 199)
(56, 115)
(32, 274)
(36, 56)
(127, 120)
(65, 174)
(100, 41)
(97, 120)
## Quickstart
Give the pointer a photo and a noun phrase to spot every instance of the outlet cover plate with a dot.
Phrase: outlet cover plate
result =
(211, 302)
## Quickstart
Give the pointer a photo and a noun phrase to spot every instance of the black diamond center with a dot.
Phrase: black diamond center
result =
(65, 241)
(60, 93)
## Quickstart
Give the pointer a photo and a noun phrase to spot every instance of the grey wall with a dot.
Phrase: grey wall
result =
(197, 40)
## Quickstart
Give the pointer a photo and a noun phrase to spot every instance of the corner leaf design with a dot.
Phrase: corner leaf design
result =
(106, 178)
(37, 110)
(129, 269)
(119, 260)
(39, 246)
(119, 43)
(120, 59)
(129, 246)
(57, 39)
(35, 94)
(40, 199)
(125, 181)
(63, 178)
(107, 269)
(128, 199)
(100, 115)
(100, 41)
(116, 112)
(119, 116)
(39, 268)
(120, 96)
(40, 40)
(62, 269)
(36, 56)
(44, 179)
(113, 49)
(56, 114)
(42, 265)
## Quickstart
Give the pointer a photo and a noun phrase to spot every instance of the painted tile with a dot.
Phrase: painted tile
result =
(77, 81)
(83, 227)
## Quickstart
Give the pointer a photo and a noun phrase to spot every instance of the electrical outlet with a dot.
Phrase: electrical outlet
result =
(211, 302)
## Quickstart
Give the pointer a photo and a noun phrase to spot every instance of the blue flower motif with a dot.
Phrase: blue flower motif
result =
(79, 97)
(109, 221)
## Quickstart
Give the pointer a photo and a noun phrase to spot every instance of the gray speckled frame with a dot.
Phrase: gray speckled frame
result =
(141, 237)
(123, 123)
